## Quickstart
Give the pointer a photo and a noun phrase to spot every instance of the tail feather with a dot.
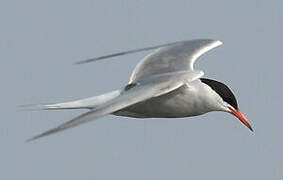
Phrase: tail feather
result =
(87, 103)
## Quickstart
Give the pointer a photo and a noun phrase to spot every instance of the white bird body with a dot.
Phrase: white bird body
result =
(163, 85)
(191, 99)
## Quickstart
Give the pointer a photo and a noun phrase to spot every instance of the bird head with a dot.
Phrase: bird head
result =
(228, 100)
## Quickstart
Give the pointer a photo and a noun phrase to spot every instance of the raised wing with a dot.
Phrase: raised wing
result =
(176, 57)
(145, 89)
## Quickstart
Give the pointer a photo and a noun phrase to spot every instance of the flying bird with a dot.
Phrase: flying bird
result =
(164, 84)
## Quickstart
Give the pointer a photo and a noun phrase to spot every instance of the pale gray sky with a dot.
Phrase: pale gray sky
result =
(40, 40)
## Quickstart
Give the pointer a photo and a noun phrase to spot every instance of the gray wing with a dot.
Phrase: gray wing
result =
(171, 57)
(177, 57)
(155, 86)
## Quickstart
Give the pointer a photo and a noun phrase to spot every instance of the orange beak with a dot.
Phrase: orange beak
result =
(241, 117)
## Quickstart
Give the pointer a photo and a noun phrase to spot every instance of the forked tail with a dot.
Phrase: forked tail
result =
(87, 103)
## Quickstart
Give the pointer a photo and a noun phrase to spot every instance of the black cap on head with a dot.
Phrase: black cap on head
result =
(224, 92)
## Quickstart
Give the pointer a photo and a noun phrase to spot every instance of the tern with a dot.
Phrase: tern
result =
(164, 84)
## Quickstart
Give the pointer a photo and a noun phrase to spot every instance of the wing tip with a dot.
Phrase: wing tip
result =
(211, 42)
(83, 62)
(46, 133)
(32, 138)
(217, 43)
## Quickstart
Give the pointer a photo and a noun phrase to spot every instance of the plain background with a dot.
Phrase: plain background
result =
(40, 41)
